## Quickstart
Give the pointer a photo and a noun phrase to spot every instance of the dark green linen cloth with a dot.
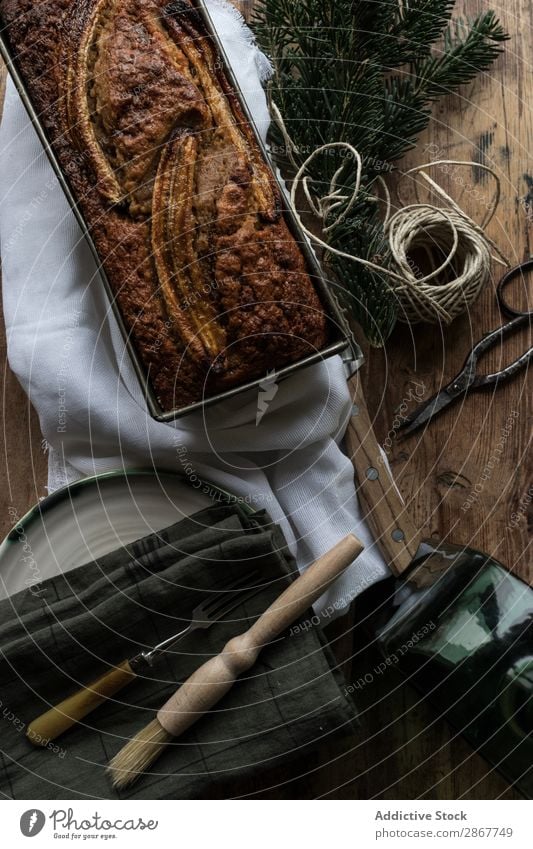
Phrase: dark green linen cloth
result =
(83, 622)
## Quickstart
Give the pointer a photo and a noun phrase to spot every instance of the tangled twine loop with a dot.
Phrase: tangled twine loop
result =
(417, 229)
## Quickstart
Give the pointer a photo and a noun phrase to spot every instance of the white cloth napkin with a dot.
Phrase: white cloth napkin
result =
(69, 355)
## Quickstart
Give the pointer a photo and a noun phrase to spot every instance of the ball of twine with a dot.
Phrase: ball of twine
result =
(450, 288)
(455, 248)
(451, 244)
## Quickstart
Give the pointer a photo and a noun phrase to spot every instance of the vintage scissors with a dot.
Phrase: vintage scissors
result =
(468, 379)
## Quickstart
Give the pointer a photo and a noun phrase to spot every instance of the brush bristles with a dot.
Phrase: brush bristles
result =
(137, 755)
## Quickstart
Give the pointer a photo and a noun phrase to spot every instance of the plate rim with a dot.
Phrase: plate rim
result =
(59, 495)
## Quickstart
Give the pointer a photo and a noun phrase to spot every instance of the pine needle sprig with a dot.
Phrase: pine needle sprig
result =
(469, 49)
(418, 25)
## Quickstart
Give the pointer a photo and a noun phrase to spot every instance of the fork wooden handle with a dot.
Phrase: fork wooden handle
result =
(213, 679)
(388, 517)
(71, 710)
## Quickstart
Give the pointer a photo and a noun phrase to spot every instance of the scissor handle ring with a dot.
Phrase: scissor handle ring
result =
(510, 311)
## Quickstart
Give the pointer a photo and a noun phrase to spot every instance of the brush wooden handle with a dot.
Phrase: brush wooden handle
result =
(67, 713)
(213, 679)
(392, 527)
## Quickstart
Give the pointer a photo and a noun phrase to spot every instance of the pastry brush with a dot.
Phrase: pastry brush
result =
(208, 684)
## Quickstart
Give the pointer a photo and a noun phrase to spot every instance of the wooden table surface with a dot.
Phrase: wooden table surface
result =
(403, 751)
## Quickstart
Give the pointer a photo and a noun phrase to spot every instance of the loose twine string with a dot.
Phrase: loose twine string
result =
(420, 228)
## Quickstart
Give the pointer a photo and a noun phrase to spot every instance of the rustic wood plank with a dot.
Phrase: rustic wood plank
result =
(444, 469)
(440, 471)
(402, 751)
(245, 7)
(23, 463)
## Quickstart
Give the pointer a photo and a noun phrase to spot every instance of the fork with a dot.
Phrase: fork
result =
(216, 606)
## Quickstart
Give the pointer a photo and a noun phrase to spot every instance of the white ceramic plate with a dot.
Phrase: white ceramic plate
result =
(90, 518)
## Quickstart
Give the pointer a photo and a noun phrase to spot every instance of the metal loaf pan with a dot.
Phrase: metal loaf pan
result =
(341, 339)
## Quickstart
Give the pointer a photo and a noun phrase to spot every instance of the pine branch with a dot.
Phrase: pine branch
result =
(366, 72)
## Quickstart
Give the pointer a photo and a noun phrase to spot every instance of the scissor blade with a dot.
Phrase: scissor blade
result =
(426, 412)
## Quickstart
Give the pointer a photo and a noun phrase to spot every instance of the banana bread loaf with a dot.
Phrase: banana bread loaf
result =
(183, 210)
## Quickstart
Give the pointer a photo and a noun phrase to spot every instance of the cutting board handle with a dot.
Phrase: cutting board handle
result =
(394, 531)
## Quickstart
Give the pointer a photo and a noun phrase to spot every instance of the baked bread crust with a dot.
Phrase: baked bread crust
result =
(184, 212)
